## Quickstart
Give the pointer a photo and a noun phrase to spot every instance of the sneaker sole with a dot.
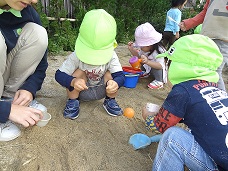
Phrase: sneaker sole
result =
(110, 113)
(72, 118)
(155, 88)
(11, 138)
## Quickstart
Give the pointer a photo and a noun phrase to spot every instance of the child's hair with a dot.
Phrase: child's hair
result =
(156, 47)
(177, 3)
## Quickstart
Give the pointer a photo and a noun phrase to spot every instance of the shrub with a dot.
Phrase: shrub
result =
(128, 14)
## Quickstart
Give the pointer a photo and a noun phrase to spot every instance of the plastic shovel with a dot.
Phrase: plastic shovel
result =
(139, 141)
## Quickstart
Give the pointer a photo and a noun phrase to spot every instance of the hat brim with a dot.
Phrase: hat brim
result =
(92, 56)
(149, 41)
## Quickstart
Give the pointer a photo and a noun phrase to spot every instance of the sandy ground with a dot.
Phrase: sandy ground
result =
(94, 141)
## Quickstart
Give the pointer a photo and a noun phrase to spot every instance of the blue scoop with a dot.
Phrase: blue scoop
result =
(139, 141)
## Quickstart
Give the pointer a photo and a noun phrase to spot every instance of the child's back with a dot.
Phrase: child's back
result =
(173, 18)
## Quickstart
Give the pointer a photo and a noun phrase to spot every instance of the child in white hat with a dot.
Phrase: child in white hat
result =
(93, 70)
(149, 42)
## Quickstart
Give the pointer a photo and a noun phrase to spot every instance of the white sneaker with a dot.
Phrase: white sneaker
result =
(155, 84)
(37, 105)
(9, 131)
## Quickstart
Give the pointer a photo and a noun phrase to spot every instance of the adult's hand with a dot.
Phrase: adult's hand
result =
(24, 115)
(22, 98)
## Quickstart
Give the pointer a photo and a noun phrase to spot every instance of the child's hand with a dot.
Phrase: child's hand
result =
(144, 59)
(146, 113)
(130, 45)
(111, 87)
(79, 84)
(177, 35)
(182, 26)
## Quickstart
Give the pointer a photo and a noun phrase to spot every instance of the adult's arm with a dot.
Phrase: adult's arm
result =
(198, 19)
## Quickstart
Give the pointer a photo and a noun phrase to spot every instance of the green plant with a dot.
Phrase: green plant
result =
(128, 14)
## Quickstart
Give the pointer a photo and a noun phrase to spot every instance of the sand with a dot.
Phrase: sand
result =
(94, 141)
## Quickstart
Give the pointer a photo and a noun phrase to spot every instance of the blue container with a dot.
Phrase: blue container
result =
(131, 80)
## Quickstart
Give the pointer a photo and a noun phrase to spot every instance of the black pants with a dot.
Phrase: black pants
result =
(168, 39)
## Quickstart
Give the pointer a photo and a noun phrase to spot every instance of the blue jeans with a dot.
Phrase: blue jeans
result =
(177, 148)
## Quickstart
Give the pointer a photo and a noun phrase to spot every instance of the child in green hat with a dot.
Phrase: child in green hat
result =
(196, 101)
(93, 70)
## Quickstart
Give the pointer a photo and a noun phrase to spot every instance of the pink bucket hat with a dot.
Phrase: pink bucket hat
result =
(146, 35)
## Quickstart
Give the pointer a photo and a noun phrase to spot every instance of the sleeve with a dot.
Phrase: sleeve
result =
(119, 78)
(64, 79)
(114, 64)
(171, 112)
(5, 108)
(70, 64)
(198, 19)
(64, 74)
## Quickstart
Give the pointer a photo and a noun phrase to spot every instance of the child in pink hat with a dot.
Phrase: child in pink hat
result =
(149, 42)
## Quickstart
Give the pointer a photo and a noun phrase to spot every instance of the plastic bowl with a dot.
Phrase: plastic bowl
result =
(46, 118)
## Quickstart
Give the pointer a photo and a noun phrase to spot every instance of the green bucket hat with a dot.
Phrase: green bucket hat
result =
(96, 40)
(193, 57)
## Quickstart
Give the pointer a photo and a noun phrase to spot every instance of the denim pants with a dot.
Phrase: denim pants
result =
(22, 60)
(177, 148)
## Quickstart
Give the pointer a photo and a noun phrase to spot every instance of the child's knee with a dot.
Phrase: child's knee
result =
(107, 76)
(78, 73)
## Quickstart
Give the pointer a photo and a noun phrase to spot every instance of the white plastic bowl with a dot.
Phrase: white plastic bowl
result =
(46, 118)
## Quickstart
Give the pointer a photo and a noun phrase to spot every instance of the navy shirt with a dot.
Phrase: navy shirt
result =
(9, 25)
(204, 109)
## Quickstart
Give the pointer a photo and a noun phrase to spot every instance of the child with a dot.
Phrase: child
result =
(93, 71)
(148, 40)
(214, 19)
(196, 101)
(22, 71)
(171, 31)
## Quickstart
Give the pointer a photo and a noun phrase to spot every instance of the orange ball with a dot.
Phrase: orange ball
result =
(129, 112)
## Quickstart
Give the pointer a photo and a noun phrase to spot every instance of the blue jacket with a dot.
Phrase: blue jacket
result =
(8, 26)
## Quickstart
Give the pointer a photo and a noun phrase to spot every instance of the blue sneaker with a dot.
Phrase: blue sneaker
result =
(112, 108)
(71, 110)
